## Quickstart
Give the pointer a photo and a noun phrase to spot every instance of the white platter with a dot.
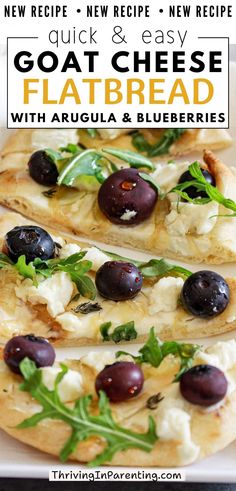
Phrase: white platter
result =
(18, 460)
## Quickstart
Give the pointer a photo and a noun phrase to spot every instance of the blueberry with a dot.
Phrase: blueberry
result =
(204, 385)
(42, 169)
(31, 241)
(192, 192)
(120, 381)
(205, 294)
(37, 349)
(117, 280)
(126, 198)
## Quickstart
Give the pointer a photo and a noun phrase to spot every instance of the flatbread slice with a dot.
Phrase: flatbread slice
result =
(186, 432)
(194, 233)
(54, 310)
(28, 141)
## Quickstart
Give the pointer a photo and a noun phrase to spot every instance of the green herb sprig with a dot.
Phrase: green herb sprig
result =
(87, 168)
(82, 422)
(73, 265)
(161, 267)
(154, 351)
(72, 148)
(161, 147)
(124, 332)
(150, 180)
(200, 183)
(92, 132)
(134, 159)
(89, 163)
(5, 261)
(155, 268)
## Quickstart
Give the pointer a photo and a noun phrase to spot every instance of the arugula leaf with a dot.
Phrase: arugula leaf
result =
(5, 261)
(151, 352)
(118, 257)
(79, 267)
(87, 168)
(200, 183)
(71, 148)
(92, 133)
(124, 332)
(86, 163)
(84, 285)
(162, 146)
(134, 159)
(154, 351)
(168, 138)
(73, 265)
(148, 178)
(49, 266)
(140, 142)
(160, 267)
(53, 155)
(104, 328)
(154, 267)
(26, 270)
(186, 352)
(72, 259)
(83, 424)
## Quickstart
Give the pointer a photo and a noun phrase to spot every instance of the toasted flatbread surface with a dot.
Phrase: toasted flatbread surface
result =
(18, 315)
(194, 432)
(28, 141)
(78, 212)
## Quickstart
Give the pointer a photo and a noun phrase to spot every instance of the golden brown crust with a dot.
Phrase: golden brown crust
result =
(199, 139)
(190, 141)
(27, 141)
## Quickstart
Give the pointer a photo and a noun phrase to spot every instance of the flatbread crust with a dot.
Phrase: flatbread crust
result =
(28, 141)
(78, 212)
(17, 317)
(210, 431)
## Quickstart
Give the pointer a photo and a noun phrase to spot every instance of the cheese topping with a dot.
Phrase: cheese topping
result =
(70, 387)
(68, 250)
(167, 176)
(9, 322)
(53, 139)
(98, 360)
(165, 294)
(187, 218)
(223, 356)
(111, 133)
(83, 328)
(55, 292)
(184, 217)
(173, 423)
(93, 254)
(97, 257)
(128, 214)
